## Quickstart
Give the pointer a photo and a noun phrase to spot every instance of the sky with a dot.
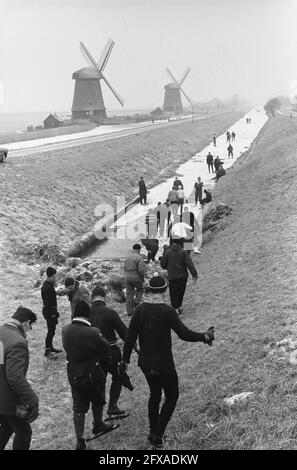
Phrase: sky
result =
(245, 47)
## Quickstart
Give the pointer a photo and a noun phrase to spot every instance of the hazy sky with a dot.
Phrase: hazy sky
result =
(247, 47)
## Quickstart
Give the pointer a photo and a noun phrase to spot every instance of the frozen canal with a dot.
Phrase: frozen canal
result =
(188, 173)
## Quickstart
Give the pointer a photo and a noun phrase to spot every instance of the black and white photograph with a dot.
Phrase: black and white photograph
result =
(148, 228)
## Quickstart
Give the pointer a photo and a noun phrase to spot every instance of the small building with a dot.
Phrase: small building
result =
(53, 120)
(156, 112)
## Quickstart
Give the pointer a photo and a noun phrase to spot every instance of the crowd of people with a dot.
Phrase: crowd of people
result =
(90, 339)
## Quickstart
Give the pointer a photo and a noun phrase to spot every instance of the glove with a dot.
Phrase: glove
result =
(32, 414)
(124, 377)
(26, 413)
(209, 336)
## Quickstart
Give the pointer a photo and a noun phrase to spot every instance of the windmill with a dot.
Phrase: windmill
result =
(87, 99)
(172, 98)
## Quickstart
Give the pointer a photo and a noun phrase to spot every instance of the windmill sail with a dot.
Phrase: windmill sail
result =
(105, 55)
(121, 101)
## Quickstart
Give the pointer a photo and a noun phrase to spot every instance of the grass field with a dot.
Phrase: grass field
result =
(246, 288)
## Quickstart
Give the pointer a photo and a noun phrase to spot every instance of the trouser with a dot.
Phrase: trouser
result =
(177, 289)
(51, 330)
(230, 153)
(174, 208)
(83, 396)
(152, 253)
(21, 429)
(134, 286)
(142, 198)
(210, 166)
(198, 196)
(157, 382)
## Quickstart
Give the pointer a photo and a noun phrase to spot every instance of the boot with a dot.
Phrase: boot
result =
(114, 410)
(79, 427)
(98, 424)
(80, 444)
(157, 441)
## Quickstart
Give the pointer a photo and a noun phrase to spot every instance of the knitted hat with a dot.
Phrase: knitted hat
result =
(69, 281)
(50, 271)
(136, 246)
(82, 309)
(157, 283)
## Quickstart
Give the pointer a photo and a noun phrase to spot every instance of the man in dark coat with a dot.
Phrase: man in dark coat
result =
(198, 189)
(152, 323)
(49, 311)
(110, 324)
(230, 151)
(88, 353)
(207, 198)
(177, 262)
(76, 293)
(217, 163)
(18, 401)
(209, 161)
(142, 191)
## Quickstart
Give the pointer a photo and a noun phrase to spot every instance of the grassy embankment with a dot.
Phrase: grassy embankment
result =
(247, 290)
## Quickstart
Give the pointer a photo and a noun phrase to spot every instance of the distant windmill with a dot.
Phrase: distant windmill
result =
(87, 99)
(172, 98)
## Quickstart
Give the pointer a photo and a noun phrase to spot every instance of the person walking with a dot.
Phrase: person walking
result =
(76, 293)
(177, 262)
(209, 161)
(207, 198)
(86, 353)
(142, 191)
(228, 135)
(19, 404)
(135, 269)
(233, 136)
(214, 138)
(49, 310)
(152, 323)
(110, 324)
(177, 182)
(198, 189)
(230, 151)
(172, 199)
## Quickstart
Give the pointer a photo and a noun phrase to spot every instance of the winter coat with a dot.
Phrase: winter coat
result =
(142, 188)
(107, 321)
(172, 196)
(209, 159)
(14, 363)
(88, 354)
(177, 183)
(152, 323)
(177, 262)
(134, 266)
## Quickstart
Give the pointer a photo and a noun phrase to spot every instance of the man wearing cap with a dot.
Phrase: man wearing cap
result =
(49, 311)
(76, 293)
(135, 270)
(18, 401)
(152, 323)
(87, 352)
(109, 323)
(177, 262)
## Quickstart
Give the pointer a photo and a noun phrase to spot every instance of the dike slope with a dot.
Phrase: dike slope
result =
(52, 199)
